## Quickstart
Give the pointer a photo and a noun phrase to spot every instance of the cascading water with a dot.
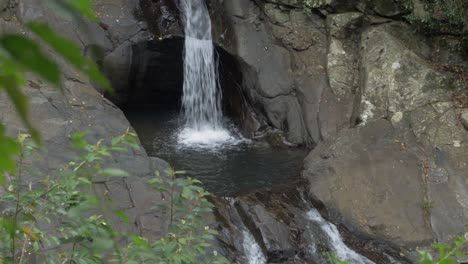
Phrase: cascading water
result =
(201, 99)
(253, 253)
(338, 247)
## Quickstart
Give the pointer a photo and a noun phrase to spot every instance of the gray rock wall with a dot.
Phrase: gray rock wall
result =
(80, 107)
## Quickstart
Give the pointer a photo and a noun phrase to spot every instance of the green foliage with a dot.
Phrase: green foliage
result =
(446, 253)
(332, 258)
(439, 16)
(20, 54)
(427, 206)
(63, 219)
(189, 239)
(8, 149)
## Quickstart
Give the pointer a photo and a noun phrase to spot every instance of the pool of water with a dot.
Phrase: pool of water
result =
(239, 166)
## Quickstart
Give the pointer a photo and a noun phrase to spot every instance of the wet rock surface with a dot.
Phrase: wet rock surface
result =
(279, 224)
(388, 123)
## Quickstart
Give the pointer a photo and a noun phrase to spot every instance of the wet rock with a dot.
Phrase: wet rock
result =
(275, 235)
(279, 223)
(365, 181)
(390, 8)
(162, 17)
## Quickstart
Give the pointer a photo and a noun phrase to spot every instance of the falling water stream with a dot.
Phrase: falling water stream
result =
(206, 144)
(201, 100)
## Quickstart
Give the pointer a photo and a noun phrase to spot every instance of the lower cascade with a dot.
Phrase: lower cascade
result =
(340, 250)
(253, 252)
(201, 100)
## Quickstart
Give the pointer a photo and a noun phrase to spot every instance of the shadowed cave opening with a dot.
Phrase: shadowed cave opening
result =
(151, 100)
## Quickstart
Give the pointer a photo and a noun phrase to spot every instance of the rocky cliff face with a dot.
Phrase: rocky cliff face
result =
(81, 107)
(387, 121)
(386, 110)
(379, 101)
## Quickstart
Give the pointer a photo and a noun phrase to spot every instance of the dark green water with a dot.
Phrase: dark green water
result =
(224, 170)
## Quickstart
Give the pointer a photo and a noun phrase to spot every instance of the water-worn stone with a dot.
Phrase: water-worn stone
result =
(280, 226)
(363, 175)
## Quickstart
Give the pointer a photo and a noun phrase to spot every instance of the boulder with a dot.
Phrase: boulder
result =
(274, 94)
(399, 175)
(372, 179)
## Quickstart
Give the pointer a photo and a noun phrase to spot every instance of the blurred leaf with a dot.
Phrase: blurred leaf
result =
(29, 55)
(84, 180)
(116, 140)
(113, 173)
(29, 217)
(102, 244)
(85, 7)
(122, 216)
(29, 233)
(78, 140)
(425, 257)
(20, 101)
(8, 225)
(74, 9)
(71, 52)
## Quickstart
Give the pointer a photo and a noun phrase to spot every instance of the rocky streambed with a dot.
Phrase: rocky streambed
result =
(375, 104)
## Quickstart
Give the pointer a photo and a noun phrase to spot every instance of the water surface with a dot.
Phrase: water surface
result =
(238, 166)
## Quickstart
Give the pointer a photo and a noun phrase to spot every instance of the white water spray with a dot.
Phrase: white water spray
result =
(201, 99)
(253, 252)
(342, 251)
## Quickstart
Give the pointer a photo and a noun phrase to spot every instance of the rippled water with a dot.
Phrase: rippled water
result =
(226, 169)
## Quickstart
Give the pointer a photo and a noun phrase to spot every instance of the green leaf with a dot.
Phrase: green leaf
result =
(122, 216)
(85, 7)
(425, 257)
(9, 148)
(29, 55)
(113, 173)
(74, 9)
(8, 225)
(102, 244)
(20, 101)
(78, 140)
(155, 180)
(84, 180)
(116, 140)
(70, 51)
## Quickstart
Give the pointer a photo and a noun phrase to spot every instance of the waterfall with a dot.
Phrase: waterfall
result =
(337, 246)
(253, 252)
(201, 100)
